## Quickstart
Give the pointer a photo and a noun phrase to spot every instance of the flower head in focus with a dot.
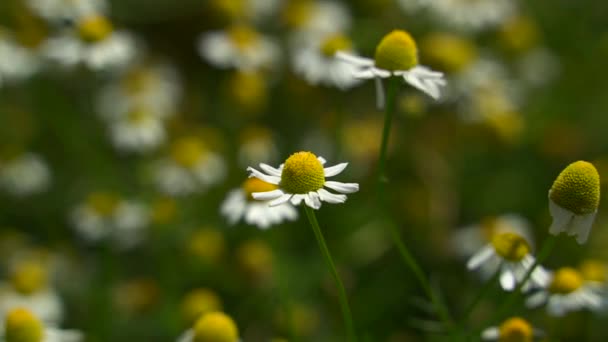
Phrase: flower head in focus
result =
(514, 329)
(302, 178)
(396, 55)
(214, 326)
(574, 199)
(21, 325)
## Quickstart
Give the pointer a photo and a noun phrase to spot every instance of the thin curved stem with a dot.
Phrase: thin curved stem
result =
(346, 313)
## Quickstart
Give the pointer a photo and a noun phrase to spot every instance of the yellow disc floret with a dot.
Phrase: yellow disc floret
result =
(335, 43)
(215, 327)
(296, 13)
(103, 203)
(198, 302)
(594, 270)
(188, 151)
(243, 36)
(510, 246)
(302, 173)
(396, 51)
(577, 188)
(566, 280)
(94, 28)
(253, 184)
(515, 329)
(29, 277)
(22, 326)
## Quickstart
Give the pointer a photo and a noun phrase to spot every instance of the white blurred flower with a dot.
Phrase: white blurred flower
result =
(471, 15)
(512, 330)
(20, 319)
(59, 11)
(24, 175)
(256, 143)
(16, 62)
(137, 132)
(315, 19)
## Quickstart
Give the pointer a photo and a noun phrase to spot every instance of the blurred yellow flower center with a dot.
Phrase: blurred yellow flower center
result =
(207, 244)
(199, 302)
(253, 184)
(577, 188)
(248, 89)
(103, 203)
(335, 43)
(593, 270)
(138, 116)
(188, 151)
(510, 246)
(255, 257)
(243, 37)
(94, 28)
(297, 12)
(449, 52)
(164, 210)
(566, 280)
(519, 33)
(231, 9)
(396, 51)
(302, 173)
(138, 80)
(215, 327)
(29, 277)
(515, 329)
(22, 326)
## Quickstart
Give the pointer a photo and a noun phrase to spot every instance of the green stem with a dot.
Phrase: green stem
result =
(346, 313)
(388, 120)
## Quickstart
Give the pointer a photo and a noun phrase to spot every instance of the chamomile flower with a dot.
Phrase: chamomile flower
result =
(60, 11)
(24, 174)
(246, 10)
(566, 291)
(21, 325)
(316, 62)
(190, 167)
(471, 15)
(302, 178)
(92, 42)
(212, 327)
(198, 302)
(514, 329)
(256, 143)
(17, 62)
(510, 254)
(240, 204)
(573, 200)
(138, 131)
(240, 47)
(312, 19)
(396, 55)
(106, 215)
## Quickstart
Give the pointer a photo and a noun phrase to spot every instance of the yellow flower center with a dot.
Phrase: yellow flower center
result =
(510, 246)
(335, 43)
(396, 51)
(253, 184)
(519, 34)
(593, 270)
(22, 326)
(29, 277)
(138, 116)
(247, 89)
(229, 9)
(215, 327)
(566, 280)
(515, 329)
(243, 36)
(255, 258)
(302, 173)
(577, 188)
(449, 52)
(94, 28)
(164, 210)
(199, 302)
(103, 203)
(297, 12)
(207, 245)
(188, 151)
(138, 80)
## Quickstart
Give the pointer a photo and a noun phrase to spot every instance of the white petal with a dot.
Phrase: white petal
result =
(581, 226)
(492, 333)
(334, 170)
(270, 170)
(267, 195)
(356, 60)
(297, 199)
(536, 299)
(561, 218)
(322, 160)
(328, 197)
(480, 257)
(266, 178)
(507, 280)
(283, 199)
(314, 198)
(379, 93)
(366, 74)
(345, 188)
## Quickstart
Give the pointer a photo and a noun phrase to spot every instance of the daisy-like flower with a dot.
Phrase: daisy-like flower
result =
(509, 254)
(60, 11)
(314, 19)
(514, 329)
(21, 325)
(93, 42)
(316, 62)
(573, 200)
(138, 131)
(240, 204)
(396, 55)
(566, 291)
(190, 167)
(24, 174)
(106, 215)
(240, 47)
(244, 10)
(212, 327)
(302, 178)
(17, 62)
(471, 15)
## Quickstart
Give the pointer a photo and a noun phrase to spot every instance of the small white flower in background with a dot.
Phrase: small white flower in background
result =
(240, 204)
(190, 168)
(138, 131)
(24, 175)
(514, 329)
(240, 47)
(256, 11)
(17, 62)
(315, 19)
(213, 326)
(396, 55)
(94, 43)
(105, 215)
(470, 15)
(256, 143)
(60, 11)
(573, 200)
(302, 178)
(538, 67)
(21, 325)
(566, 291)
(317, 63)
(509, 254)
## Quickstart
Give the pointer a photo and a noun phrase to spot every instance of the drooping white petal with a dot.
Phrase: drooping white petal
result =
(379, 93)
(312, 200)
(268, 195)
(334, 170)
(424, 79)
(480, 257)
(581, 226)
(366, 74)
(561, 218)
(345, 188)
(328, 197)
(322, 160)
(507, 280)
(356, 60)
(297, 199)
(536, 299)
(270, 170)
(266, 178)
(283, 199)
